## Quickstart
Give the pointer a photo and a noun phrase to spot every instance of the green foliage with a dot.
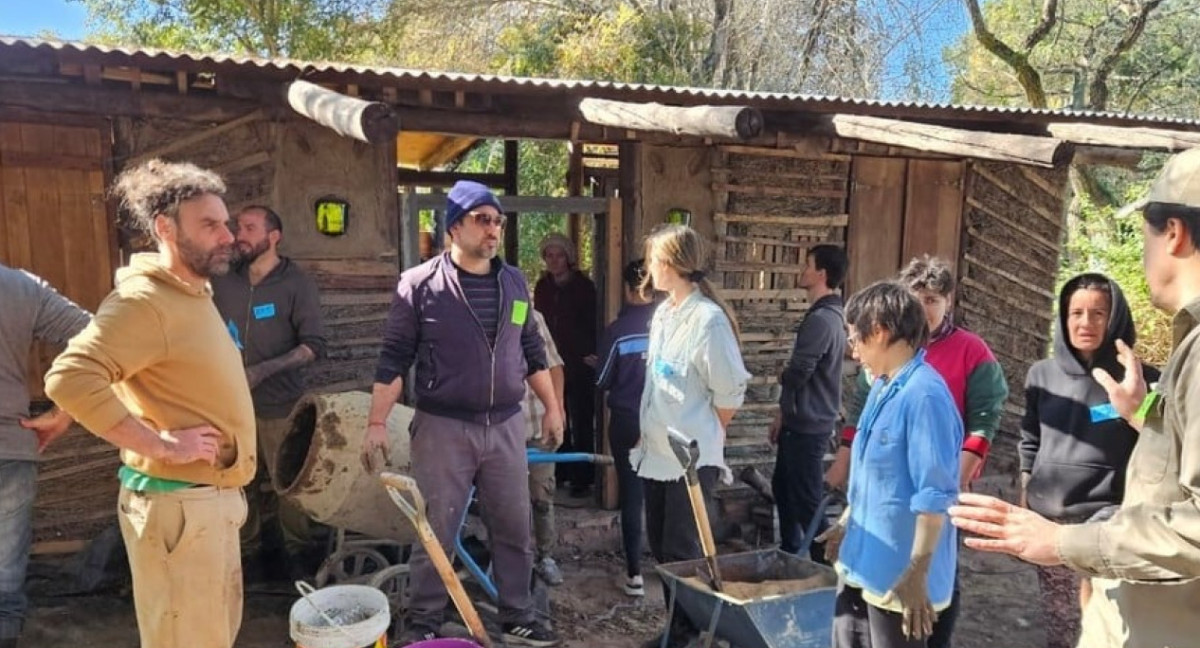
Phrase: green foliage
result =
(1100, 243)
(638, 46)
(307, 29)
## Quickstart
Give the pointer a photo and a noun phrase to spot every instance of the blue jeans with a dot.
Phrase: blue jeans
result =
(18, 486)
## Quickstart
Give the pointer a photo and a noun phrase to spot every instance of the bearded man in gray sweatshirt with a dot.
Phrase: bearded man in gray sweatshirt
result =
(32, 311)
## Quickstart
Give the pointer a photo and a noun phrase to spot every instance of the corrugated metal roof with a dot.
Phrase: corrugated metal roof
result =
(776, 100)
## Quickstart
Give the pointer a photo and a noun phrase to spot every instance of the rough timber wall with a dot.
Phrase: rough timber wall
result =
(772, 205)
(1011, 242)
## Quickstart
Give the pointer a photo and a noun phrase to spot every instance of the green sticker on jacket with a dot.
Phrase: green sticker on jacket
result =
(520, 312)
(1147, 404)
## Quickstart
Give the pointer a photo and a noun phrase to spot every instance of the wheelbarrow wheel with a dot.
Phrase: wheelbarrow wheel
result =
(393, 582)
(354, 565)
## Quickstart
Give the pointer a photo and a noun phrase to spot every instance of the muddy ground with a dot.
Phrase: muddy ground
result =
(589, 610)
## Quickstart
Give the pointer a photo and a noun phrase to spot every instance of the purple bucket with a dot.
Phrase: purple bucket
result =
(444, 643)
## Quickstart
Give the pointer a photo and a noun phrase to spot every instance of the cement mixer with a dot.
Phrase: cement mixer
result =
(318, 465)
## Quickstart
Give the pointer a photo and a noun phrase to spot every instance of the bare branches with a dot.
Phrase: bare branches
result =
(1049, 16)
(1027, 75)
(1098, 89)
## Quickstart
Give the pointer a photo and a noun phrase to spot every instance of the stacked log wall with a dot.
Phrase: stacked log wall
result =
(1014, 225)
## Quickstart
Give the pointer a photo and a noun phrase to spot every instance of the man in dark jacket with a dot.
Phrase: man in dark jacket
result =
(272, 310)
(809, 401)
(463, 320)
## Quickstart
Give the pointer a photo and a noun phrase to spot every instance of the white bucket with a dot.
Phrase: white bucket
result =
(309, 620)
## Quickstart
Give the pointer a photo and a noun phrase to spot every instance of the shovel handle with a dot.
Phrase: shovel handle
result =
(400, 486)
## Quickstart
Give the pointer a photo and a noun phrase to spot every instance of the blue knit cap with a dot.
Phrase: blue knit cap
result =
(464, 196)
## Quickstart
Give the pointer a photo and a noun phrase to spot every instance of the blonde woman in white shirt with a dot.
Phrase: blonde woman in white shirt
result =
(695, 383)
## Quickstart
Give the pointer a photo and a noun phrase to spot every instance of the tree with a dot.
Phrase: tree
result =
(307, 29)
(1127, 55)
(1096, 55)
(1100, 55)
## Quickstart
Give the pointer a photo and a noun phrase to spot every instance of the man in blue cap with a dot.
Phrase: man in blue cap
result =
(463, 319)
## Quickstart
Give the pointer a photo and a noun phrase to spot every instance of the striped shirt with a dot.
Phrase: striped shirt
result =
(483, 296)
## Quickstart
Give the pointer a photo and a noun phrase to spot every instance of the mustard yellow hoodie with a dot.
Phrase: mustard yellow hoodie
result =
(157, 350)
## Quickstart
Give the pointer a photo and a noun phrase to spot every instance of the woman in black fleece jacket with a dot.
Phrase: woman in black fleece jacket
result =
(1074, 446)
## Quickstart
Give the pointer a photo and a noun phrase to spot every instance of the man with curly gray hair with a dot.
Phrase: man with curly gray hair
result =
(157, 375)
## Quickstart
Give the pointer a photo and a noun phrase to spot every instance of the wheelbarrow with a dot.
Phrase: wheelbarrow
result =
(797, 619)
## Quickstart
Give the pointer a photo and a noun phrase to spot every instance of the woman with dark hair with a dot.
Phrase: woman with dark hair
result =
(973, 375)
(1074, 446)
(695, 383)
(892, 547)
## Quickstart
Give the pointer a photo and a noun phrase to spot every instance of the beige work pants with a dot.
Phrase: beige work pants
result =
(186, 565)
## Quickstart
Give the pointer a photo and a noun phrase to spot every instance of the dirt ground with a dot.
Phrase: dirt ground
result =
(589, 611)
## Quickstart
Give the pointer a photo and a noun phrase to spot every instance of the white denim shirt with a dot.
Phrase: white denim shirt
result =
(694, 365)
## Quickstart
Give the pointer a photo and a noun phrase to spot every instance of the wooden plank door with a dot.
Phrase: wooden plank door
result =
(933, 210)
(876, 231)
(55, 222)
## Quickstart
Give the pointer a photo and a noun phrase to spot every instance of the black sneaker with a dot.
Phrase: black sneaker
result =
(529, 634)
(415, 634)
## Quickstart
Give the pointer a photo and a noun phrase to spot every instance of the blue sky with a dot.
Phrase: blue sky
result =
(943, 21)
(33, 17)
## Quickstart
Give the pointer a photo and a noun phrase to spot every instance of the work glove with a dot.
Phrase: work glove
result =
(912, 588)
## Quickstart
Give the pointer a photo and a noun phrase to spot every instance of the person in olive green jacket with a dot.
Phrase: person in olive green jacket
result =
(1145, 559)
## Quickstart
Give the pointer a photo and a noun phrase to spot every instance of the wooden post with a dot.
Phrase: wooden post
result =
(575, 188)
(410, 226)
(737, 122)
(512, 163)
(614, 293)
(373, 122)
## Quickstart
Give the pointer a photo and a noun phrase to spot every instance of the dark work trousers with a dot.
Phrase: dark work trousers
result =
(671, 529)
(943, 627)
(858, 624)
(624, 431)
(448, 456)
(580, 394)
(799, 485)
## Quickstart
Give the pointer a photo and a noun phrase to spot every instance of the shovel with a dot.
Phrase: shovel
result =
(397, 487)
(688, 453)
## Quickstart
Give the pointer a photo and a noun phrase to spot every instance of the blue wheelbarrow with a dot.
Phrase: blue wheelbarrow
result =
(798, 619)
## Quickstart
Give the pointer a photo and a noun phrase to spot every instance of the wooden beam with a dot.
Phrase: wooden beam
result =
(1107, 156)
(738, 122)
(446, 178)
(74, 99)
(373, 122)
(243, 163)
(489, 124)
(1021, 149)
(450, 149)
(197, 137)
(1125, 137)
(540, 204)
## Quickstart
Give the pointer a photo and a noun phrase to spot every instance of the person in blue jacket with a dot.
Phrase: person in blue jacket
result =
(893, 548)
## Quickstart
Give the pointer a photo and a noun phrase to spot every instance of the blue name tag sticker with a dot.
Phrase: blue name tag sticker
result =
(1103, 412)
(264, 311)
